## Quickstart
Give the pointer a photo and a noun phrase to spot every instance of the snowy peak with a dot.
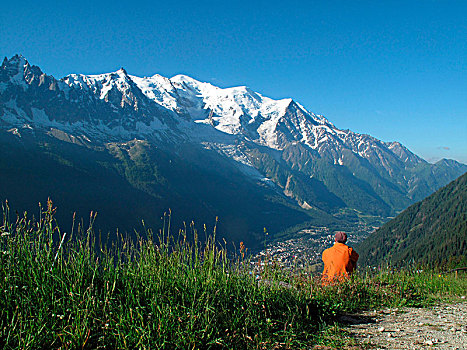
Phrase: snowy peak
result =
(15, 65)
(17, 70)
(17, 73)
(122, 71)
(187, 81)
(158, 89)
(101, 85)
(107, 106)
(118, 90)
(236, 110)
(137, 111)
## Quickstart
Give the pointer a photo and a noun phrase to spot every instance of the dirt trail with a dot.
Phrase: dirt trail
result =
(438, 327)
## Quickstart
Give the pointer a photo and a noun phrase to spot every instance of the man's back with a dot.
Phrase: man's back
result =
(339, 261)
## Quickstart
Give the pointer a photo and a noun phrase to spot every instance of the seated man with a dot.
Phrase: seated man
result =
(339, 260)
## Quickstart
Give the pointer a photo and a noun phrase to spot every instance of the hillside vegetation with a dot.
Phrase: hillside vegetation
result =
(430, 232)
(162, 292)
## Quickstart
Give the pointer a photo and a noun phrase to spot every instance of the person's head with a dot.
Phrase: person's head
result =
(341, 237)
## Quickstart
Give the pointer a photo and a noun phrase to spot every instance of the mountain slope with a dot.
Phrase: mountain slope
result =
(134, 181)
(433, 231)
(275, 149)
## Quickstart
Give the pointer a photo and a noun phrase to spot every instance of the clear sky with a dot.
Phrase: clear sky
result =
(396, 70)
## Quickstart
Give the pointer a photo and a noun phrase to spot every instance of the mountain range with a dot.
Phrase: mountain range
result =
(132, 147)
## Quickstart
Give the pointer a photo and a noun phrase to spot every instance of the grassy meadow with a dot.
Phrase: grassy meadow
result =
(164, 291)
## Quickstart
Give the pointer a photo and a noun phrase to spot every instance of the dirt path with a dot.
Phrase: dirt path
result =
(437, 327)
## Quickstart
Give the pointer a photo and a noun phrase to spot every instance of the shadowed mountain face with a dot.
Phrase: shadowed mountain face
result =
(127, 183)
(433, 231)
(133, 147)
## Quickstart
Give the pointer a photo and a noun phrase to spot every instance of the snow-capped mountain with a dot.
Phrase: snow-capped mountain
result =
(236, 111)
(103, 107)
(301, 155)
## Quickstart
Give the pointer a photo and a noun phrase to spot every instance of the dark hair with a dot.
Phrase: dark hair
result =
(341, 237)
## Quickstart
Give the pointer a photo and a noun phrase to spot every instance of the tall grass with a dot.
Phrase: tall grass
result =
(160, 292)
(156, 292)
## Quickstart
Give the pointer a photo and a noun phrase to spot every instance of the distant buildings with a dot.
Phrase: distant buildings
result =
(303, 252)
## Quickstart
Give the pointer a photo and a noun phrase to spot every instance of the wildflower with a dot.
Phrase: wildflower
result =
(242, 250)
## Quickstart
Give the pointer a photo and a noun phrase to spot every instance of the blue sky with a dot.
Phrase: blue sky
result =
(396, 70)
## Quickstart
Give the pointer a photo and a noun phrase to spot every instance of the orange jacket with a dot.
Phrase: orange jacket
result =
(339, 261)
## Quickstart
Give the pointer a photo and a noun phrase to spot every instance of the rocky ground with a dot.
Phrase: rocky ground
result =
(438, 327)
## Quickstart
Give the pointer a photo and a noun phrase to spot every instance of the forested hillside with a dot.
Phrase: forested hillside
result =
(433, 231)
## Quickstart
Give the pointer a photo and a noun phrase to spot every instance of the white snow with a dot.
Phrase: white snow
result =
(231, 109)
(99, 84)
(207, 113)
(234, 111)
